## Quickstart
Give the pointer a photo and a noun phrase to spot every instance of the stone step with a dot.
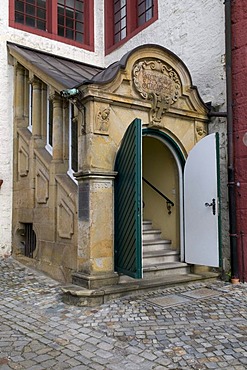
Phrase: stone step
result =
(147, 225)
(156, 257)
(156, 245)
(152, 234)
(153, 271)
(79, 296)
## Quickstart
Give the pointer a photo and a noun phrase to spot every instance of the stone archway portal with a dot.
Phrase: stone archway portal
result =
(202, 248)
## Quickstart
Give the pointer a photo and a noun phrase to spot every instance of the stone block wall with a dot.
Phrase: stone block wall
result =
(8, 34)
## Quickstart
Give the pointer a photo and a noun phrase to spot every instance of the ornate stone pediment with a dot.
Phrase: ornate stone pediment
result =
(158, 82)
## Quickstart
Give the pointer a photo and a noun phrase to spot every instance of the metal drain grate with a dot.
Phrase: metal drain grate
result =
(170, 300)
(200, 293)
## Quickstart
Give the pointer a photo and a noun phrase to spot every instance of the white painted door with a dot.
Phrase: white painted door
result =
(201, 203)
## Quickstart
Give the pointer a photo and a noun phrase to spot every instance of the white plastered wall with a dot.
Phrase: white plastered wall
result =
(194, 31)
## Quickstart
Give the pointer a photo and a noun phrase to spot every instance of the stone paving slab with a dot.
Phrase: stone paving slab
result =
(39, 331)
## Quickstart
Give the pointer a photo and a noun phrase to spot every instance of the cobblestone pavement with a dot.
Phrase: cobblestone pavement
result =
(38, 331)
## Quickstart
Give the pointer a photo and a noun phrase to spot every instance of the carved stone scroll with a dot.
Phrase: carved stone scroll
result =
(158, 82)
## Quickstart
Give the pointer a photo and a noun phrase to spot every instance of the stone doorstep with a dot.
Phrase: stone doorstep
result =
(80, 296)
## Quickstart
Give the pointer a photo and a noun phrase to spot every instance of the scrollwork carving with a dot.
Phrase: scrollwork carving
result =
(158, 82)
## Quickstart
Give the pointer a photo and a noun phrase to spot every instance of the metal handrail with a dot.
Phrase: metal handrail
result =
(169, 202)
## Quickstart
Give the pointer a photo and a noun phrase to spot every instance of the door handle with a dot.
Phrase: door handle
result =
(213, 205)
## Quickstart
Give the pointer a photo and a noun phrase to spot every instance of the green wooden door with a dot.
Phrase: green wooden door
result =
(128, 203)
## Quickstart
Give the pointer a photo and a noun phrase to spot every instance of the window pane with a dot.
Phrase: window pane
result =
(50, 124)
(19, 6)
(30, 10)
(41, 13)
(69, 22)
(74, 146)
(30, 21)
(42, 3)
(19, 18)
(60, 31)
(145, 11)
(120, 14)
(69, 34)
(71, 16)
(79, 37)
(73, 140)
(79, 6)
(31, 13)
(79, 17)
(41, 25)
(30, 107)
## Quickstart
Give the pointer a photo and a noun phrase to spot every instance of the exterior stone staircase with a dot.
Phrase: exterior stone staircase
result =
(161, 268)
(159, 259)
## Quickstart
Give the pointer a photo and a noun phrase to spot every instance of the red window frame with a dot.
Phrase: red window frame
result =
(131, 22)
(52, 24)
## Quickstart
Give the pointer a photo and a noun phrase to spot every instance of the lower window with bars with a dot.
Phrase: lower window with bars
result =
(29, 240)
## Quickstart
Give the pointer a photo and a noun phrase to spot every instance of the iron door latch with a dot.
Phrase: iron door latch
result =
(213, 205)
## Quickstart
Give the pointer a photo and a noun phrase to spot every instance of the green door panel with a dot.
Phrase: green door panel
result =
(128, 203)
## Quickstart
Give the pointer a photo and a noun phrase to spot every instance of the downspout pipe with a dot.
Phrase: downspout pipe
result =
(230, 142)
(217, 114)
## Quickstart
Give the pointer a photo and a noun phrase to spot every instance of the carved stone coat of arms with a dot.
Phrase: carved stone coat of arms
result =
(158, 82)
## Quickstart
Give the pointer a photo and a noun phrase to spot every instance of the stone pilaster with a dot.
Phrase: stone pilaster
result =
(57, 128)
(19, 92)
(36, 109)
(95, 230)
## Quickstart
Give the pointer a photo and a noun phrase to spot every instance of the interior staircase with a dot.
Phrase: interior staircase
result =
(159, 259)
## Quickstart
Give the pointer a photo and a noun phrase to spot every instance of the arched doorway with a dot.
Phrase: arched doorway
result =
(162, 174)
(193, 230)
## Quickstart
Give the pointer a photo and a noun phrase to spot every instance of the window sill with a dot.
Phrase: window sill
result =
(49, 149)
(51, 36)
(70, 173)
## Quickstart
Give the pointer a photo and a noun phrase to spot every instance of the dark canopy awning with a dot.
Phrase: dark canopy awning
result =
(65, 73)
